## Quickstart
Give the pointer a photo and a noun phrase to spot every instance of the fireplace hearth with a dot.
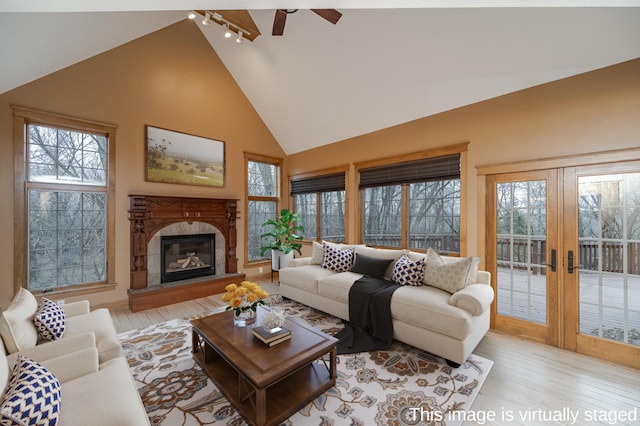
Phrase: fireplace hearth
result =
(187, 256)
(150, 217)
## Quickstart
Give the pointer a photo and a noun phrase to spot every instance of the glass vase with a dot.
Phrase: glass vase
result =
(245, 318)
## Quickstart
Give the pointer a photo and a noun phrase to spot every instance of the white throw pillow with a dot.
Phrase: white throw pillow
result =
(449, 276)
(16, 323)
(317, 252)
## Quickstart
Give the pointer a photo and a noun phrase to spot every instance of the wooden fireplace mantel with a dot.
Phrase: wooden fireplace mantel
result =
(147, 215)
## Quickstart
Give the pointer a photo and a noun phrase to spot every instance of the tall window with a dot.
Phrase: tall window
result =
(320, 202)
(413, 204)
(65, 203)
(263, 192)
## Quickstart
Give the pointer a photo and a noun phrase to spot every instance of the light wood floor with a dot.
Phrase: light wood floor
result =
(527, 379)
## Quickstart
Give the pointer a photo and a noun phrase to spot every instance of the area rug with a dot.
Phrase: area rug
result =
(399, 386)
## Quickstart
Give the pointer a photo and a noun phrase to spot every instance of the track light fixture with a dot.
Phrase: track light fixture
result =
(229, 27)
(207, 19)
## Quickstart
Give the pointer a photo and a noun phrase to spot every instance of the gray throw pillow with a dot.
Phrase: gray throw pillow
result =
(370, 266)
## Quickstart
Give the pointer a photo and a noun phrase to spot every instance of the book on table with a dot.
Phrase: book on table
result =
(277, 341)
(267, 336)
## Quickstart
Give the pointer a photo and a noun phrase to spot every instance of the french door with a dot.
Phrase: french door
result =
(565, 257)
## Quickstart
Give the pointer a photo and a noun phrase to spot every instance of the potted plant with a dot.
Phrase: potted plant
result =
(283, 239)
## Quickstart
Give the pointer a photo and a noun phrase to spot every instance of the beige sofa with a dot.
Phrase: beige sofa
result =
(437, 321)
(96, 386)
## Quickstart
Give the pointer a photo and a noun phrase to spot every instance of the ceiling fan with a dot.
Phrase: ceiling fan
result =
(241, 23)
(280, 18)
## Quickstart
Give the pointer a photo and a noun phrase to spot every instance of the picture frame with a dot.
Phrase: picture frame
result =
(182, 158)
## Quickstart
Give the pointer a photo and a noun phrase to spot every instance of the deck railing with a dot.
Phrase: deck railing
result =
(610, 254)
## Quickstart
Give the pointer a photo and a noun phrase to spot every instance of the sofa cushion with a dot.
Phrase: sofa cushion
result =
(370, 266)
(428, 307)
(33, 395)
(16, 323)
(408, 272)
(450, 276)
(305, 277)
(336, 287)
(50, 320)
(337, 260)
(100, 323)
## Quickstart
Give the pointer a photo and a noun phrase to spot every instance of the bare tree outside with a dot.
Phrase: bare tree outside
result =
(263, 183)
(66, 227)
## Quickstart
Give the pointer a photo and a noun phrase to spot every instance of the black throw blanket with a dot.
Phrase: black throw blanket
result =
(370, 327)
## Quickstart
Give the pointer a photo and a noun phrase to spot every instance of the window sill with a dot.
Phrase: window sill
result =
(76, 290)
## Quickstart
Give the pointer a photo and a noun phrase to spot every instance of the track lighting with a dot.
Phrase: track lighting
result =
(229, 27)
(207, 19)
(227, 31)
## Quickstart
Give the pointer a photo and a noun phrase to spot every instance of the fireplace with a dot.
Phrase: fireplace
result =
(154, 217)
(187, 256)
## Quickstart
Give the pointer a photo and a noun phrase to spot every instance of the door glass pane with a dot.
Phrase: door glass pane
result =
(521, 250)
(609, 244)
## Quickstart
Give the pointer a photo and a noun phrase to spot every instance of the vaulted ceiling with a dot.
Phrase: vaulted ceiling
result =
(377, 67)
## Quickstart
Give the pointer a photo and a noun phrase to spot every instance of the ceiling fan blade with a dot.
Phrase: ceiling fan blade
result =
(330, 15)
(278, 22)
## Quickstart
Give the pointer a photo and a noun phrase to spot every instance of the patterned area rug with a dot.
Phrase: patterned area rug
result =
(398, 386)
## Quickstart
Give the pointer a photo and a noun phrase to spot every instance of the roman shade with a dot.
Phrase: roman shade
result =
(423, 170)
(325, 183)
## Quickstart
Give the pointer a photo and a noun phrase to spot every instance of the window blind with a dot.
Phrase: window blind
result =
(424, 170)
(326, 183)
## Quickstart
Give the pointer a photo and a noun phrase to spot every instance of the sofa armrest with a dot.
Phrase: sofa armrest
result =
(73, 309)
(474, 298)
(300, 261)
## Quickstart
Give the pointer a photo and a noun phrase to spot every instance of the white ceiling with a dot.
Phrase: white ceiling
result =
(321, 83)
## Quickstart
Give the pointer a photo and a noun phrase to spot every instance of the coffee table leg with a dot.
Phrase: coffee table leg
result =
(261, 406)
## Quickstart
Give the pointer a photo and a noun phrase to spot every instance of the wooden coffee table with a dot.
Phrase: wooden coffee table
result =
(253, 376)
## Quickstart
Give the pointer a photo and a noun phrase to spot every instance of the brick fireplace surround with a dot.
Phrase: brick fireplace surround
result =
(148, 215)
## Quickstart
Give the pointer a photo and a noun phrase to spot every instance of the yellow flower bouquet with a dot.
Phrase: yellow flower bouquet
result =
(246, 296)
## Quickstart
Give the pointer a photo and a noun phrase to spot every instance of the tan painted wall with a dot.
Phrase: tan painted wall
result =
(161, 79)
(596, 111)
(168, 79)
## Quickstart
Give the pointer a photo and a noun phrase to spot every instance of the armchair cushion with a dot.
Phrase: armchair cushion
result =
(67, 359)
(16, 323)
(50, 320)
(73, 309)
(33, 395)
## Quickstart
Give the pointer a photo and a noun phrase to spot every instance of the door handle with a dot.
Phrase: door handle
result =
(554, 258)
(570, 266)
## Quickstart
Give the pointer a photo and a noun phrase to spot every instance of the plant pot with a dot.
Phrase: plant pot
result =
(279, 260)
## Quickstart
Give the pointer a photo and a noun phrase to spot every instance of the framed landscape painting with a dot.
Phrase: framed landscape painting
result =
(174, 157)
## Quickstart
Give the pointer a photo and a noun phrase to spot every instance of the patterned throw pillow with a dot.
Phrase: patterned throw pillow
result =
(336, 259)
(33, 395)
(408, 272)
(50, 320)
(447, 276)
